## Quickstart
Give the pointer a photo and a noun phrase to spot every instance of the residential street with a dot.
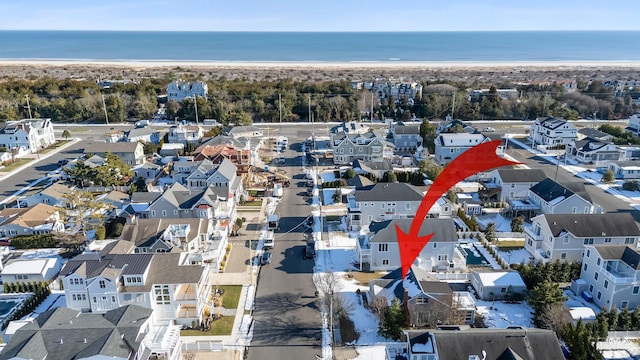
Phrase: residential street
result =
(287, 318)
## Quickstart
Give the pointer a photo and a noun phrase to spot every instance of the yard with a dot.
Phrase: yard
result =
(222, 326)
(256, 202)
(231, 295)
(15, 164)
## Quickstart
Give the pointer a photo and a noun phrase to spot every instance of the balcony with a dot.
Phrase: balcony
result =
(187, 311)
(185, 293)
(523, 205)
(529, 232)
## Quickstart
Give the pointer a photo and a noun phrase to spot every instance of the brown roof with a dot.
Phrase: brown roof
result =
(28, 217)
(56, 190)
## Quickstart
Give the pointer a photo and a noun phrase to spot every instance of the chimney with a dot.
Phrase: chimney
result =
(85, 340)
(61, 342)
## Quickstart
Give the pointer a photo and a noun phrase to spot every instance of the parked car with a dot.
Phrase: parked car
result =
(489, 129)
(63, 162)
(309, 251)
(266, 258)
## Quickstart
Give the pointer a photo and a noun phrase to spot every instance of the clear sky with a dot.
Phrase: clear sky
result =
(322, 15)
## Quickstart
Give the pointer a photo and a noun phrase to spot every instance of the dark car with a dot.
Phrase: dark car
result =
(266, 258)
(309, 251)
(63, 162)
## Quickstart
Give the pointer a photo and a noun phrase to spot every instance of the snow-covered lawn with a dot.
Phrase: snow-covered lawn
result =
(501, 315)
(619, 349)
(516, 256)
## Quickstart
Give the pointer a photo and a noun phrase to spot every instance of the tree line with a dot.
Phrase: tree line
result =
(243, 102)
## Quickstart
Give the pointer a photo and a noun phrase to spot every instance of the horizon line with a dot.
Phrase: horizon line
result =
(322, 31)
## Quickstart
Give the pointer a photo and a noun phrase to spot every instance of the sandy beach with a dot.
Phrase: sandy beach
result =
(318, 71)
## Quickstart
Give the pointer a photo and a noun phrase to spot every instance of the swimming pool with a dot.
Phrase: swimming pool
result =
(6, 306)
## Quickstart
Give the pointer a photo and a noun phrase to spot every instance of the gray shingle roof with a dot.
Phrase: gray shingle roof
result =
(530, 343)
(368, 166)
(521, 175)
(548, 190)
(222, 139)
(389, 192)
(407, 129)
(144, 197)
(625, 253)
(551, 122)
(443, 230)
(89, 268)
(97, 147)
(359, 181)
(63, 333)
(593, 225)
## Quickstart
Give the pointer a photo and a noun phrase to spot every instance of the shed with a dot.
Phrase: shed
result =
(495, 285)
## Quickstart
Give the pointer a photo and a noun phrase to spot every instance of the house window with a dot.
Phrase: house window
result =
(164, 213)
(435, 245)
(530, 242)
(588, 241)
(175, 212)
(113, 298)
(588, 252)
(443, 257)
(382, 205)
(606, 284)
(598, 261)
(563, 256)
(565, 239)
(607, 240)
(407, 206)
(385, 261)
(383, 247)
(95, 299)
(629, 240)
(585, 267)
(161, 293)
(153, 213)
(574, 209)
(513, 186)
(591, 288)
(636, 290)
(421, 301)
(624, 304)
(595, 276)
(22, 277)
(351, 151)
(599, 295)
(102, 284)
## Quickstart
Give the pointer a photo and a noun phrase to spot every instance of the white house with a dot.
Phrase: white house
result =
(450, 145)
(35, 220)
(627, 170)
(31, 270)
(186, 134)
(508, 184)
(27, 135)
(563, 237)
(550, 131)
(567, 198)
(611, 276)
(164, 282)
(495, 285)
(594, 151)
(634, 124)
(380, 247)
(180, 90)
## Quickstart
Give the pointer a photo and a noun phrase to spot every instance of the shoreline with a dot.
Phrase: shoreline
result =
(573, 64)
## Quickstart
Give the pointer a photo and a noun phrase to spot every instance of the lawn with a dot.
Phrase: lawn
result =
(364, 277)
(257, 202)
(231, 295)
(222, 326)
(515, 244)
(15, 164)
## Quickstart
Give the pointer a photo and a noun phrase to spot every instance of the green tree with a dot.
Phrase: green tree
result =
(452, 196)
(630, 185)
(428, 132)
(117, 229)
(389, 177)
(581, 342)
(349, 174)
(608, 177)
(517, 224)
(393, 320)
(543, 294)
(624, 320)
(66, 134)
(490, 232)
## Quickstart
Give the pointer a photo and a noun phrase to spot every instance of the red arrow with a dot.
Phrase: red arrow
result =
(476, 159)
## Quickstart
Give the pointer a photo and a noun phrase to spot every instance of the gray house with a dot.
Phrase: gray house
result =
(563, 237)
(367, 146)
(510, 184)
(162, 235)
(496, 285)
(406, 137)
(375, 168)
(566, 198)
(382, 201)
(380, 247)
(450, 146)
(132, 153)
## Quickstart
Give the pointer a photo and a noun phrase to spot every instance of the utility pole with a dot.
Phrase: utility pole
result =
(372, 107)
(104, 106)
(453, 105)
(280, 107)
(195, 103)
(28, 106)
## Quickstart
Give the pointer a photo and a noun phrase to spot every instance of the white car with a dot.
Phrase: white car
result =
(488, 129)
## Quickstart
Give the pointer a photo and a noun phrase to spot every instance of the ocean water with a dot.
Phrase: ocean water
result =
(321, 47)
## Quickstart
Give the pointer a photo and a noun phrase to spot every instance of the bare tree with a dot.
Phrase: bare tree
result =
(554, 317)
(377, 305)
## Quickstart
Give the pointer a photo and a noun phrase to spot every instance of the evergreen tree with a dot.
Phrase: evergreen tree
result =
(580, 342)
(517, 224)
(624, 319)
(601, 325)
(635, 319)
(349, 174)
(490, 232)
(393, 321)
(612, 318)
(608, 177)
(543, 294)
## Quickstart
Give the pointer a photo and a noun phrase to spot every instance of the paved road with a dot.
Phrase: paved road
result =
(608, 202)
(287, 318)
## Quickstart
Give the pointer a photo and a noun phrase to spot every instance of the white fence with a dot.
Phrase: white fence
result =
(624, 334)
(203, 345)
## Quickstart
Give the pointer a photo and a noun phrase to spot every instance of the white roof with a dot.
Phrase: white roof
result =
(500, 278)
(583, 312)
(462, 139)
(38, 266)
(172, 146)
